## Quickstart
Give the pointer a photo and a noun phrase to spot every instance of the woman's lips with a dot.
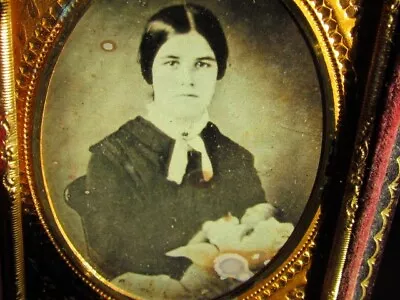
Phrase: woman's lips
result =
(189, 95)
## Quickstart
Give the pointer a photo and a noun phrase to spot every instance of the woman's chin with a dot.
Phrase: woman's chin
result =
(188, 115)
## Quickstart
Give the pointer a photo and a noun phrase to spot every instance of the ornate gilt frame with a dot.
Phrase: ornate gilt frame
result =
(31, 30)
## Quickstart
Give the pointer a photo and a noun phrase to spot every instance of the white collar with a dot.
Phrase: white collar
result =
(187, 137)
(175, 128)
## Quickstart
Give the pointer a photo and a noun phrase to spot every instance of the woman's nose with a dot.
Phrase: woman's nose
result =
(187, 76)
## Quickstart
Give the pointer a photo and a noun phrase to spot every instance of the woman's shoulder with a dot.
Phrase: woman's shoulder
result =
(132, 134)
(124, 131)
(114, 143)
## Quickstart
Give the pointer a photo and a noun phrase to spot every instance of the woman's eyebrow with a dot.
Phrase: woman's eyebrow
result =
(170, 57)
(207, 58)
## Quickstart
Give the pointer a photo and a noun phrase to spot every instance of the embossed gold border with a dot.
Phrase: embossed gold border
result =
(11, 178)
(331, 21)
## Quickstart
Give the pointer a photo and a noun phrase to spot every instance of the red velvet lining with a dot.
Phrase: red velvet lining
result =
(388, 130)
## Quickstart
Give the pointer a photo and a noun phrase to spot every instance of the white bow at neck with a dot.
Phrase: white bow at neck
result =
(187, 137)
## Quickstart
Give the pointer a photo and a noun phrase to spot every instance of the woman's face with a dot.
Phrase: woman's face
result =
(184, 76)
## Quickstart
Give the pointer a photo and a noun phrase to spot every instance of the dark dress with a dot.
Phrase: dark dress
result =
(132, 215)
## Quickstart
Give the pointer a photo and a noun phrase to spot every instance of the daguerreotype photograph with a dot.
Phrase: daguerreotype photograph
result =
(179, 144)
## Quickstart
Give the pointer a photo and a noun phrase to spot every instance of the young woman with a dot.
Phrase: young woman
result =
(152, 184)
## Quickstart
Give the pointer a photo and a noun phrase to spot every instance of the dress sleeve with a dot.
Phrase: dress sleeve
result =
(105, 192)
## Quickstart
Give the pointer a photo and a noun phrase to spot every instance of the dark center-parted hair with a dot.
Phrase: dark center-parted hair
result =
(180, 19)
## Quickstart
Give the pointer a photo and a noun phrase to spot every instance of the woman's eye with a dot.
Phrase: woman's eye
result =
(202, 64)
(171, 63)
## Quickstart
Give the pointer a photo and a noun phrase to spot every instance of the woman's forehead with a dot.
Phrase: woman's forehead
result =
(188, 45)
